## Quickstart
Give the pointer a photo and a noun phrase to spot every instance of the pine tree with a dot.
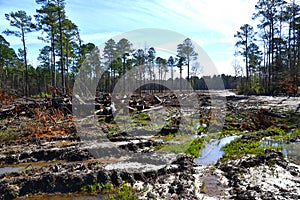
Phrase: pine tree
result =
(23, 23)
(186, 50)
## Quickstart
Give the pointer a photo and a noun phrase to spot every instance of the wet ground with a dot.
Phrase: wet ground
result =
(212, 151)
(129, 152)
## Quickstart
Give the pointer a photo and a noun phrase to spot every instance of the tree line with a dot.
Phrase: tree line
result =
(65, 53)
(272, 53)
(119, 57)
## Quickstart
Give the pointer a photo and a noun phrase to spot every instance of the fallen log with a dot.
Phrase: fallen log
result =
(7, 111)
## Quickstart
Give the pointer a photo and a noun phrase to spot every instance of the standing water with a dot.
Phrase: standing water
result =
(212, 151)
(291, 150)
(4, 170)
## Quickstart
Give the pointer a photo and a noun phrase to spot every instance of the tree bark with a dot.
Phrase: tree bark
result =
(25, 62)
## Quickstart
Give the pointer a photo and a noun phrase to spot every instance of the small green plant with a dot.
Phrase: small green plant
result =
(112, 130)
(124, 192)
(104, 188)
(202, 129)
(295, 133)
(195, 147)
(107, 188)
(90, 188)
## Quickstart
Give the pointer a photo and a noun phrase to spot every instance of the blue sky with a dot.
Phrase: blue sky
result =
(209, 23)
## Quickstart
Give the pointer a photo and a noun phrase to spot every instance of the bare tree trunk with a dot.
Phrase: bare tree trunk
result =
(188, 69)
(53, 71)
(26, 66)
(61, 53)
(67, 71)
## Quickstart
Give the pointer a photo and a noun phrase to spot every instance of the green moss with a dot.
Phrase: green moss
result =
(275, 131)
(229, 132)
(286, 137)
(250, 143)
(195, 147)
(239, 147)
